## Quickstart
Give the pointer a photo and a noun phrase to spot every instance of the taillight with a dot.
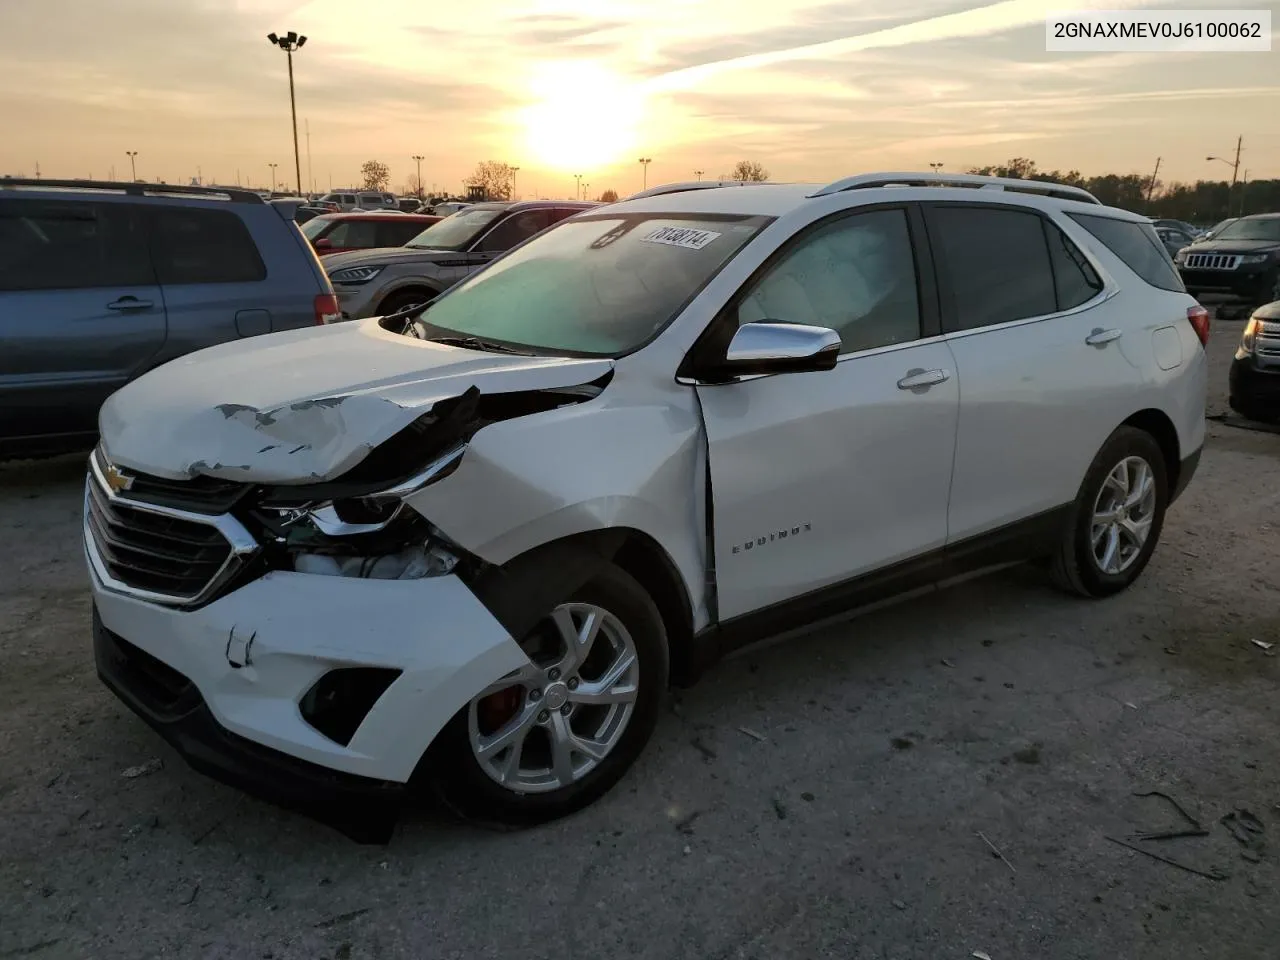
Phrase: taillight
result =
(327, 309)
(1199, 318)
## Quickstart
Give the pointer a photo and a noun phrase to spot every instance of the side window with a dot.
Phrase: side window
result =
(65, 246)
(355, 233)
(191, 245)
(514, 230)
(557, 214)
(856, 276)
(391, 234)
(997, 262)
(1137, 245)
(1074, 278)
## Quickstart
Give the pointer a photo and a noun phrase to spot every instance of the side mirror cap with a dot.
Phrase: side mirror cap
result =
(771, 347)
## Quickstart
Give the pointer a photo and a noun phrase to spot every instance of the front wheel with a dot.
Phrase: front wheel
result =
(1117, 517)
(399, 301)
(556, 735)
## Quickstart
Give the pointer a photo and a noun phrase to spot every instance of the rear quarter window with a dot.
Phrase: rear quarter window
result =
(191, 245)
(1137, 245)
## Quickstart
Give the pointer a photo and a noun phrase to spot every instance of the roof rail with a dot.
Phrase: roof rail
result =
(233, 194)
(694, 185)
(1061, 191)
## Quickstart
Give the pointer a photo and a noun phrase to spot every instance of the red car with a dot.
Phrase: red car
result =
(338, 232)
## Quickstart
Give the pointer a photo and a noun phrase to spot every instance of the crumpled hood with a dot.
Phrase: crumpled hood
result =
(378, 256)
(303, 405)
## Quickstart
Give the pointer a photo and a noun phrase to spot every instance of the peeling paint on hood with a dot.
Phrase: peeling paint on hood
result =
(304, 405)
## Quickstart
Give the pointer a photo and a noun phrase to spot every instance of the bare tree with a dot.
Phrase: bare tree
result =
(609, 196)
(494, 178)
(411, 186)
(747, 171)
(377, 175)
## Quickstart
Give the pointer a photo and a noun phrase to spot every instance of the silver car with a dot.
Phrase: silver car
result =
(372, 283)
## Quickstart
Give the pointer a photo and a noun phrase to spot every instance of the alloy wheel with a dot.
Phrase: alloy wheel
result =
(1122, 515)
(549, 724)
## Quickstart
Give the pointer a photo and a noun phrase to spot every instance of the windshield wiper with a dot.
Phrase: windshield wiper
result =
(475, 343)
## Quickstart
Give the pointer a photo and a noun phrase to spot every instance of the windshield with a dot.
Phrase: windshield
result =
(1251, 230)
(601, 286)
(315, 226)
(456, 232)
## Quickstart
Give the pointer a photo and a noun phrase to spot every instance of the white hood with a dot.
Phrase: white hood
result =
(304, 405)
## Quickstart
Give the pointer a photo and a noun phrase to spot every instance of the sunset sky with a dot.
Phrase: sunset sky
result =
(812, 89)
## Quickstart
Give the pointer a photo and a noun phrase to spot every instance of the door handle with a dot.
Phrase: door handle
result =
(1100, 337)
(917, 379)
(129, 303)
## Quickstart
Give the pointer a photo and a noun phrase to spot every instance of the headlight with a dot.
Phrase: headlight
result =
(1255, 258)
(355, 275)
(1250, 335)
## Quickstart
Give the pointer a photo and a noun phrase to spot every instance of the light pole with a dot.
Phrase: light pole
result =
(289, 43)
(586, 187)
(935, 167)
(418, 158)
(133, 167)
(514, 171)
(1151, 184)
(698, 174)
(1235, 169)
(644, 163)
(578, 194)
(273, 177)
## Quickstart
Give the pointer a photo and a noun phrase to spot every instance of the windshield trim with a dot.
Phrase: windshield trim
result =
(421, 323)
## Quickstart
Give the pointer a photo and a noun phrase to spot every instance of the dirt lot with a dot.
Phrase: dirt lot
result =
(997, 707)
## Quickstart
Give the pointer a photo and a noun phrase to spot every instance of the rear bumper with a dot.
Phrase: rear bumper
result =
(363, 808)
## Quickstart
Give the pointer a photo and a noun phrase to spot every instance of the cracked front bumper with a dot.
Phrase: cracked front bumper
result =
(223, 682)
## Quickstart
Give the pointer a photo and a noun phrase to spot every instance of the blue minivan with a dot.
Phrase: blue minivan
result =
(101, 282)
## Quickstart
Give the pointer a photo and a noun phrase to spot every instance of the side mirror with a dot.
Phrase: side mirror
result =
(771, 347)
(324, 243)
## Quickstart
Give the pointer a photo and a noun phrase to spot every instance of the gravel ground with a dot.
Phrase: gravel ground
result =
(893, 741)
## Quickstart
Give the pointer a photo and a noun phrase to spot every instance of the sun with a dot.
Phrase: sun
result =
(584, 116)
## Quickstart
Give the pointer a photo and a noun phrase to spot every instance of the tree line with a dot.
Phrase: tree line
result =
(1203, 201)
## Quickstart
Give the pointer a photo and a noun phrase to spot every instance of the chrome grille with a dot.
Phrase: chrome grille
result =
(1267, 343)
(156, 552)
(1212, 261)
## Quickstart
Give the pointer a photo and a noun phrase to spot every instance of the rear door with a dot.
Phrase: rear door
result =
(396, 233)
(353, 235)
(1043, 369)
(212, 276)
(80, 311)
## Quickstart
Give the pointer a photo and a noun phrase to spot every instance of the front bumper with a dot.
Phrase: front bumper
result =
(1251, 283)
(1254, 392)
(250, 657)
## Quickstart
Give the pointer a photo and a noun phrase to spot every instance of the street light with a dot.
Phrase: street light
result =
(289, 43)
(133, 167)
(586, 187)
(1235, 170)
(698, 174)
(644, 163)
(578, 195)
(273, 177)
(935, 167)
(514, 171)
(418, 158)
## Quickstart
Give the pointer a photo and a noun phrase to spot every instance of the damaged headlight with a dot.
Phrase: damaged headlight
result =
(373, 535)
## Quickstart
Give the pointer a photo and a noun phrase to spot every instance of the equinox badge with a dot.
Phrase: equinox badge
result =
(773, 537)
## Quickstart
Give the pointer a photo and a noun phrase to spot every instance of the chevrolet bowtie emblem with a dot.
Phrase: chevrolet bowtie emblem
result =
(116, 479)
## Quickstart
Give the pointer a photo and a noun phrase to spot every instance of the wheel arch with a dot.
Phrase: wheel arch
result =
(1160, 427)
(411, 286)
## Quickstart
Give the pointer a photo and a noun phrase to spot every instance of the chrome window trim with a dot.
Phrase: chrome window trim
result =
(243, 545)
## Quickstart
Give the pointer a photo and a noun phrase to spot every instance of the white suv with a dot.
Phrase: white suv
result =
(471, 547)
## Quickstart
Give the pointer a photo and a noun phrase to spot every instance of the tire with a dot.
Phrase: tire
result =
(398, 301)
(471, 789)
(1075, 566)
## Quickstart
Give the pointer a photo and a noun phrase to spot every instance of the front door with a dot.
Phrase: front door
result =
(817, 478)
(80, 312)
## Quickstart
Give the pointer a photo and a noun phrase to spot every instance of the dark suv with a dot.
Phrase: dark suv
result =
(1243, 261)
(100, 282)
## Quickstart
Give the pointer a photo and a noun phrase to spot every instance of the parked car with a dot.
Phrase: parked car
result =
(347, 200)
(101, 282)
(1174, 239)
(340, 232)
(468, 547)
(1242, 261)
(1190, 230)
(309, 212)
(1255, 371)
(370, 282)
(409, 204)
(447, 208)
